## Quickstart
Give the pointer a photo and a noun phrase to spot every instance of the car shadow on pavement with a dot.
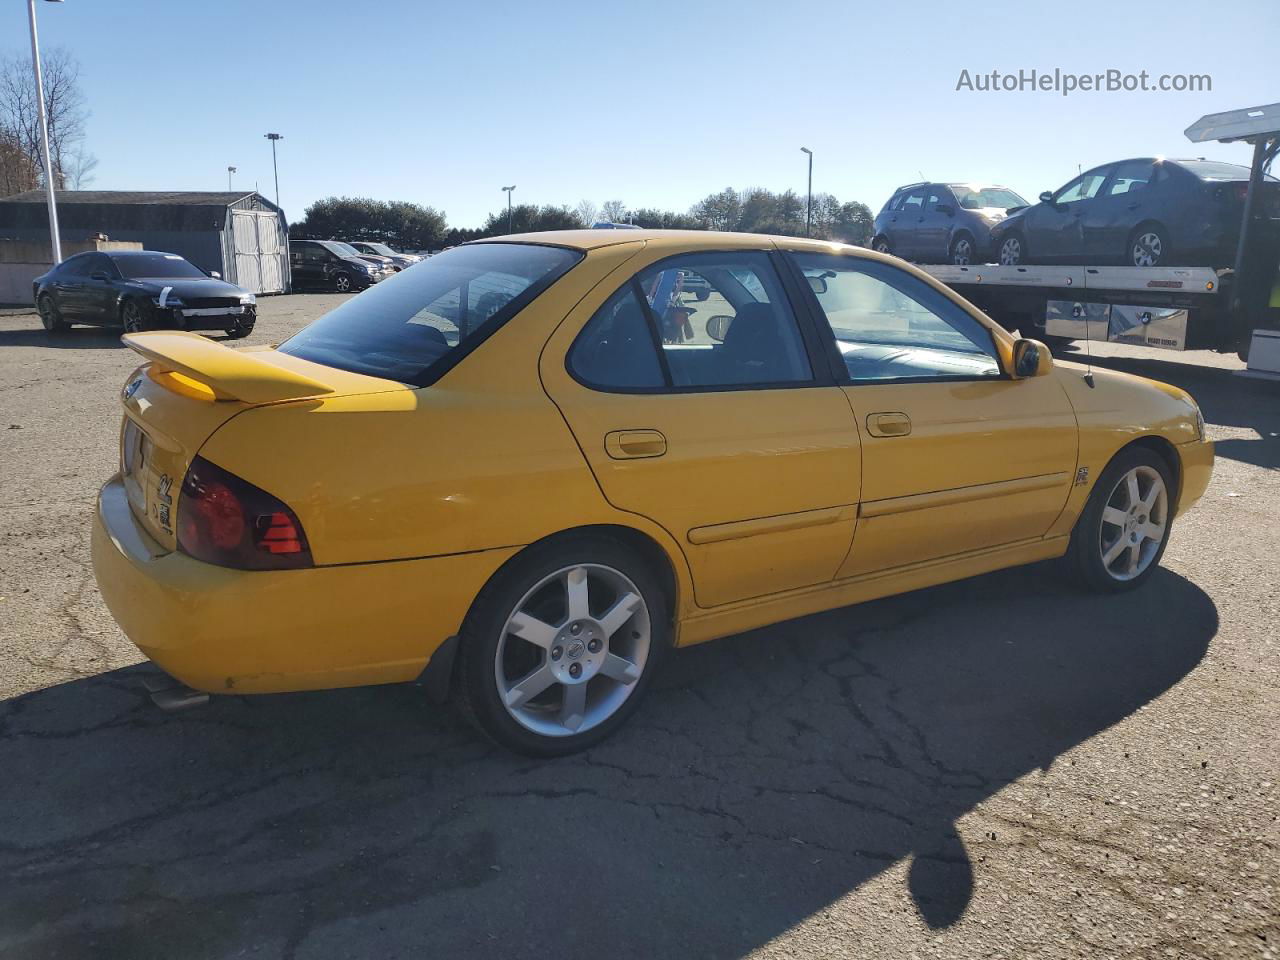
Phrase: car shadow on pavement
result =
(765, 777)
(78, 338)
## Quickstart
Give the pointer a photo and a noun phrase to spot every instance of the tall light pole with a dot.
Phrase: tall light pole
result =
(54, 237)
(508, 190)
(808, 204)
(230, 171)
(273, 137)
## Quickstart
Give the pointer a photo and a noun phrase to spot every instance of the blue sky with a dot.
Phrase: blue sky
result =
(656, 103)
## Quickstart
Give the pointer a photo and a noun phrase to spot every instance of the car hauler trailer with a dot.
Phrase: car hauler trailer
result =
(1233, 309)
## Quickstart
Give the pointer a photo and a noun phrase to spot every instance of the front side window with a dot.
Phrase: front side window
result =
(937, 195)
(694, 322)
(408, 327)
(156, 266)
(889, 325)
(1082, 188)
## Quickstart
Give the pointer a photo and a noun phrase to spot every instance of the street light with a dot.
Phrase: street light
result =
(44, 135)
(230, 171)
(273, 137)
(508, 190)
(808, 204)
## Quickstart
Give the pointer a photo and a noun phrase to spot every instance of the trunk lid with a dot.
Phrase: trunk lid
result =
(189, 388)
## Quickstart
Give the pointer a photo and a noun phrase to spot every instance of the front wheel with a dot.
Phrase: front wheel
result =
(50, 316)
(242, 327)
(134, 317)
(880, 245)
(561, 645)
(342, 282)
(1013, 250)
(1121, 535)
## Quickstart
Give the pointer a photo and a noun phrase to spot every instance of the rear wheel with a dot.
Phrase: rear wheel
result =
(342, 282)
(560, 646)
(50, 316)
(1121, 535)
(1149, 246)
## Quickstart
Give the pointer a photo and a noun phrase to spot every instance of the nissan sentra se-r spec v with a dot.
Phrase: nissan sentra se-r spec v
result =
(493, 474)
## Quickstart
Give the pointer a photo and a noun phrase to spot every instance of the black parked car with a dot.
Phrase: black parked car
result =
(330, 265)
(1146, 212)
(942, 222)
(141, 290)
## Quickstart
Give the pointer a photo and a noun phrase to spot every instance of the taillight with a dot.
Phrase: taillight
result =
(229, 522)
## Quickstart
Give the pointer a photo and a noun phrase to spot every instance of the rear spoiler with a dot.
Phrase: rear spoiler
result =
(229, 374)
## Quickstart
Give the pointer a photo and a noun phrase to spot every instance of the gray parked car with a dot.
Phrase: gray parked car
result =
(943, 222)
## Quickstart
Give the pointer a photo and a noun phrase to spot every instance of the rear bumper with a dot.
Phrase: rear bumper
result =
(1197, 471)
(235, 631)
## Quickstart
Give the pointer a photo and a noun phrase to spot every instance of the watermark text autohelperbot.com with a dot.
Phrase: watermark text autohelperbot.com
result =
(1066, 83)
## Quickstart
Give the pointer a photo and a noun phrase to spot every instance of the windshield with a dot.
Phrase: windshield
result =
(406, 327)
(344, 249)
(156, 266)
(978, 198)
(380, 248)
(1214, 171)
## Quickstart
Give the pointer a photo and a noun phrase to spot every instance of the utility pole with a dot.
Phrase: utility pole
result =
(808, 204)
(273, 137)
(49, 185)
(508, 191)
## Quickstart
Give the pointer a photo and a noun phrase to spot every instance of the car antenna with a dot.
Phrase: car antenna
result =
(1088, 349)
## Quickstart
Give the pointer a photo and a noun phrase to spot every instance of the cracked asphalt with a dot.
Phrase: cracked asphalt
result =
(1001, 767)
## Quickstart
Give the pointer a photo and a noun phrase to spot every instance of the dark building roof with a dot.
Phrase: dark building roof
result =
(199, 198)
(122, 214)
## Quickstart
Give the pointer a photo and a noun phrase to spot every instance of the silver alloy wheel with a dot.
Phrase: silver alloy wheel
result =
(1134, 523)
(342, 283)
(963, 253)
(1147, 249)
(1011, 252)
(132, 318)
(586, 663)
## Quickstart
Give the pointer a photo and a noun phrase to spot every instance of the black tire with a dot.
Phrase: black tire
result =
(136, 316)
(1012, 251)
(964, 249)
(242, 327)
(342, 283)
(1148, 247)
(702, 295)
(476, 689)
(51, 317)
(1094, 534)
(880, 245)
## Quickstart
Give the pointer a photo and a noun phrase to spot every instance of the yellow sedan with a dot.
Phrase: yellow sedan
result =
(523, 470)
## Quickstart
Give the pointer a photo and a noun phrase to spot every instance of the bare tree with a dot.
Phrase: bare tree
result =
(614, 211)
(17, 168)
(80, 164)
(587, 211)
(64, 106)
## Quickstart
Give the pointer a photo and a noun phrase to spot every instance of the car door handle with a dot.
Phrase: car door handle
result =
(888, 424)
(1133, 206)
(634, 444)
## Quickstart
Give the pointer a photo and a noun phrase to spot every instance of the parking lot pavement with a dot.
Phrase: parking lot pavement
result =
(996, 768)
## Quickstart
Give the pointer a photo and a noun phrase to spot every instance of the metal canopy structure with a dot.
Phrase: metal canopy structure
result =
(1259, 126)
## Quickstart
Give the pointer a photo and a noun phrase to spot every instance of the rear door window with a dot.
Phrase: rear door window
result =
(417, 324)
(1129, 176)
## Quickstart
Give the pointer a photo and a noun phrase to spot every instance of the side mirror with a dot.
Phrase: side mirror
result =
(1046, 197)
(946, 208)
(718, 326)
(818, 284)
(1031, 358)
(215, 274)
(100, 275)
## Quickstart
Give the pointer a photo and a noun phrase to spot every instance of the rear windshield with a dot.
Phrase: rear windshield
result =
(410, 326)
(1213, 170)
(156, 266)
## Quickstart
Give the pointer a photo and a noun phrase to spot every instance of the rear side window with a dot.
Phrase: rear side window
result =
(616, 348)
(417, 324)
